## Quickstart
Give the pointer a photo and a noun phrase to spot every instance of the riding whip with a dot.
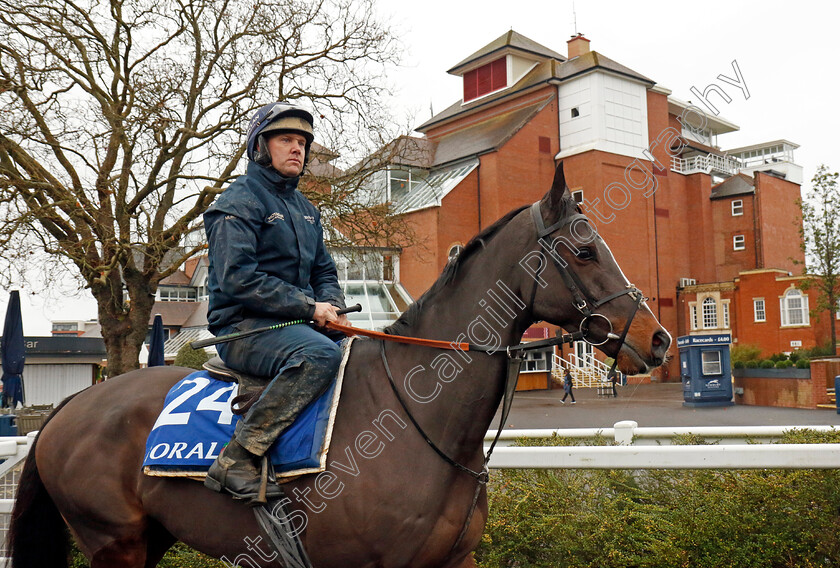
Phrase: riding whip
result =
(240, 334)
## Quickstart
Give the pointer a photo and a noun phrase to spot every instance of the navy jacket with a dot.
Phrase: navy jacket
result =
(267, 252)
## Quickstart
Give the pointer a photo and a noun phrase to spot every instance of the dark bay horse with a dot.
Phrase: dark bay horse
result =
(387, 499)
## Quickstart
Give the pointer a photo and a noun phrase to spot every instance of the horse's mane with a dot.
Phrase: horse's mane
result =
(449, 273)
(566, 205)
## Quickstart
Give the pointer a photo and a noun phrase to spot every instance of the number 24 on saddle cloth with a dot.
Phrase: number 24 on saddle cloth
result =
(197, 421)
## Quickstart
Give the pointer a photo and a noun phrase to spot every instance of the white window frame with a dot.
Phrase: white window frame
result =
(710, 317)
(414, 179)
(537, 361)
(711, 362)
(739, 242)
(759, 310)
(787, 310)
(737, 207)
(692, 310)
(725, 306)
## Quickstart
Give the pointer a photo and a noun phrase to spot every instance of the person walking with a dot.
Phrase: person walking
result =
(567, 387)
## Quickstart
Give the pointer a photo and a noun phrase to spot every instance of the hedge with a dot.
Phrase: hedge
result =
(664, 519)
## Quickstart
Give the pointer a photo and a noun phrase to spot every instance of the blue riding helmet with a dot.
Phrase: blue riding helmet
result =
(275, 117)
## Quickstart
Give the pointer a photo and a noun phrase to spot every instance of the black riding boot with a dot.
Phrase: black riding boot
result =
(237, 471)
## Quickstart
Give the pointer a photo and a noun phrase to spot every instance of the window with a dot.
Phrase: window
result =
(693, 311)
(737, 207)
(709, 313)
(758, 309)
(180, 294)
(794, 307)
(711, 362)
(537, 361)
(725, 307)
(485, 79)
(402, 180)
(738, 242)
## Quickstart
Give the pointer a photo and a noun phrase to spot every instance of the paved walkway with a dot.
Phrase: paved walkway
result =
(649, 405)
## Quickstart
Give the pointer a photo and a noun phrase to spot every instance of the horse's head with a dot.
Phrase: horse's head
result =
(577, 284)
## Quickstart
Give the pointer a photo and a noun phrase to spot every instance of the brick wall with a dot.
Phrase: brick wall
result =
(728, 261)
(778, 223)
(789, 393)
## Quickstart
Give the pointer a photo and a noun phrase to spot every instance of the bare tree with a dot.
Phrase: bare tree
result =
(120, 121)
(820, 232)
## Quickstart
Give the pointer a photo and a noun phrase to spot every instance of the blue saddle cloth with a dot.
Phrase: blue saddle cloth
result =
(197, 422)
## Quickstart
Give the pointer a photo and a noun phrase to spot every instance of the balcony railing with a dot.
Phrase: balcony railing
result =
(706, 164)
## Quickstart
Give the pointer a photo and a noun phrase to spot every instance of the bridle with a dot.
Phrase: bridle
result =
(583, 301)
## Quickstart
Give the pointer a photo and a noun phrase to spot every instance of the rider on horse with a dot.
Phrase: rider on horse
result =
(269, 264)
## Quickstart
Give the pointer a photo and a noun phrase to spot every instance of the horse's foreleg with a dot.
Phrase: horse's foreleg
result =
(128, 552)
(158, 542)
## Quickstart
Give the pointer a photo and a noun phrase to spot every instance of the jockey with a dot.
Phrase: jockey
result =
(269, 264)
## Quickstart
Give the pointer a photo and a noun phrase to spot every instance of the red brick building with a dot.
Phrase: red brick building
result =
(767, 308)
(678, 212)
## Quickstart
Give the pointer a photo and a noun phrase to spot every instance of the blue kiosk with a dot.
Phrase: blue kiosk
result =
(705, 371)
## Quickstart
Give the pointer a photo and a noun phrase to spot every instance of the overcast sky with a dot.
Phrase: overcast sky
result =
(787, 52)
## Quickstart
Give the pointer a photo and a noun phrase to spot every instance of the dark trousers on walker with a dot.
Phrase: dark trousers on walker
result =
(300, 362)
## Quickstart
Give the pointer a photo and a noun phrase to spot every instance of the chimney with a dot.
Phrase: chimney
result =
(578, 45)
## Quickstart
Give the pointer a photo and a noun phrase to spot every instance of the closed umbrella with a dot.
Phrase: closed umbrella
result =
(156, 343)
(13, 353)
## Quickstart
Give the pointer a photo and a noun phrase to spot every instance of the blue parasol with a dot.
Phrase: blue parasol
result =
(13, 353)
(156, 343)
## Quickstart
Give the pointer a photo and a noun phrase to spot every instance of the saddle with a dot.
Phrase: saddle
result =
(250, 386)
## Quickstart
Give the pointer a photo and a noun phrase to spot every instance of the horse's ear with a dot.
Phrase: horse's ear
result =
(558, 188)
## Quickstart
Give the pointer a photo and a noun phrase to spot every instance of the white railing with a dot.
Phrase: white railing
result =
(649, 448)
(705, 164)
(13, 449)
(587, 372)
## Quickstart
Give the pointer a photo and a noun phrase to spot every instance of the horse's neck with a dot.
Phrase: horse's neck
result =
(469, 385)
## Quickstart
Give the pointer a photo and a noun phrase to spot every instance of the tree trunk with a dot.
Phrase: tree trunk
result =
(124, 324)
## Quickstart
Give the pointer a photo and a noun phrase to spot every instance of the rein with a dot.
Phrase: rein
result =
(451, 345)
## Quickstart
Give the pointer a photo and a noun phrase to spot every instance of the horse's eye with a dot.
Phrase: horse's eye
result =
(586, 254)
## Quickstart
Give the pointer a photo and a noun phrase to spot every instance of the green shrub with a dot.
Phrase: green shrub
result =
(665, 518)
(795, 356)
(803, 364)
(191, 358)
(824, 350)
(784, 364)
(745, 353)
(776, 357)
(751, 364)
(738, 365)
(767, 364)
